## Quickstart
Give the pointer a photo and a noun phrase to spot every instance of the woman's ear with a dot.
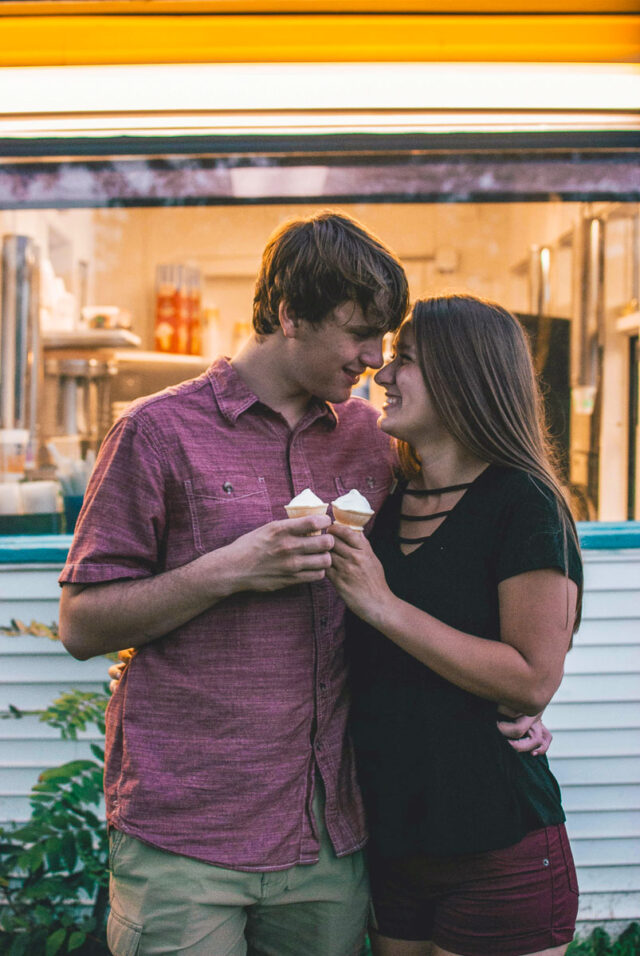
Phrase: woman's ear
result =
(288, 319)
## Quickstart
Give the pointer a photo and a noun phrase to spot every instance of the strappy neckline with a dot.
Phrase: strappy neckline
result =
(438, 491)
(439, 514)
(436, 514)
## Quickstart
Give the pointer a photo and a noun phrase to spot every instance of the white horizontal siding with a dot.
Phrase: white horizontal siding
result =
(27, 609)
(621, 879)
(595, 631)
(30, 753)
(604, 851)
(614, 770)
(610, 605)
(33, 672)
(595, 719)
(30, 727)
(600, 907)
(574, 744)
(47, 666)
(29, 581)
(611, 571)
(601, 797)
(612, 659)
(605, 824)
(593, 715)
(598, 687)
(38, 695)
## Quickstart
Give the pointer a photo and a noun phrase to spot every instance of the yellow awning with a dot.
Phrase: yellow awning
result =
(50, 34)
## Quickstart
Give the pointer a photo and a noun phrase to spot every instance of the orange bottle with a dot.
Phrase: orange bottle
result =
(195, 316)
(166, 316)
(182, 312)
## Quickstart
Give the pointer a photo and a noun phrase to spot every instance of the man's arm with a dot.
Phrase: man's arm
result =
(100, 618)
(525, 734)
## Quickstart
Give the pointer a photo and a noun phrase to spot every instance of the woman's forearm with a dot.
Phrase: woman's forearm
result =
(491, 669)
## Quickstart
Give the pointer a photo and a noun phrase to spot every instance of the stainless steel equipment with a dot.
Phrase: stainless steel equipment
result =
(20, 364)
(78, 398)
(90, 379)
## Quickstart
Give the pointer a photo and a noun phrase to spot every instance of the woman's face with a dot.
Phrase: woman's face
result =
(408, 412)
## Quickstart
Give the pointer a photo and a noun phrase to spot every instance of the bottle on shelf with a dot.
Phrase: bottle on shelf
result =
(166, 309)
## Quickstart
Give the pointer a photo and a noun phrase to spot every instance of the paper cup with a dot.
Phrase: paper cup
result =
(40, 497)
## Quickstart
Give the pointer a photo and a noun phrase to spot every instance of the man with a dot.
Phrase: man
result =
(236, 823)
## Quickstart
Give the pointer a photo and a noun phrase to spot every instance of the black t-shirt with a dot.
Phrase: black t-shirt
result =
(437, 776)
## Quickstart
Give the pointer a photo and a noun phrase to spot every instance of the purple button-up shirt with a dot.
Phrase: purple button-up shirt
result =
(216, 730)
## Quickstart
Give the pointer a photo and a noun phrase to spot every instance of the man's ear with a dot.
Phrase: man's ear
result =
(289, 322)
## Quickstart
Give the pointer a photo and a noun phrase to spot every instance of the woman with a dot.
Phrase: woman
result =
(466, 597)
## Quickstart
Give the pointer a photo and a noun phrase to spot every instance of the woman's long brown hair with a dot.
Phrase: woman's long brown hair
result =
(477, 365)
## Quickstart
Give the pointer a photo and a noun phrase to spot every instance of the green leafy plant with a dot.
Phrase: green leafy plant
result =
(53, 868)
(599, 943)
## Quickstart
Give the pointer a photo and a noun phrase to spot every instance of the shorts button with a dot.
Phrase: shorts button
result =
(545, 863)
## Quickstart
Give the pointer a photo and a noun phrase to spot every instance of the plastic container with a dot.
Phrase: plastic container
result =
(13, 453)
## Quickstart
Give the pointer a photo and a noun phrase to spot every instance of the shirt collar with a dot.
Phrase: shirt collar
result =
(235, 397)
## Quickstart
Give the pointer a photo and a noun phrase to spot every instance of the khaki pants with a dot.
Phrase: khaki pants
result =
(164, 903)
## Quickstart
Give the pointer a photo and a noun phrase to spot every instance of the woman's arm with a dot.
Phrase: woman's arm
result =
(522, 671)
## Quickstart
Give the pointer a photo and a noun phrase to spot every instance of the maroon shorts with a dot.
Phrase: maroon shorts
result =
(508, 902)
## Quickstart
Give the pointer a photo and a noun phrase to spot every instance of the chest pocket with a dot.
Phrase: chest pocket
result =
(374, 485)
(225, 507)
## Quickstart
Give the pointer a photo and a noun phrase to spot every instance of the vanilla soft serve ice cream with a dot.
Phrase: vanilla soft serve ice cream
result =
(352, 510)
(306, 499)
(306, 503)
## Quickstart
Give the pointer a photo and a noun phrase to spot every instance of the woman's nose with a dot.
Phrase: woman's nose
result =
(385, 375)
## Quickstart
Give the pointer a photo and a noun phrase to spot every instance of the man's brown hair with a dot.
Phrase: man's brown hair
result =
(316, 264)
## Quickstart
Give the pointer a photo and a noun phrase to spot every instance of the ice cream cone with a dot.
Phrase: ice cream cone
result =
(297, 508)
(352, 510)
(351, 519)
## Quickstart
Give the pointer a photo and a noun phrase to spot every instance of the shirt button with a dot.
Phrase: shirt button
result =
(545, 862)
(318, 745)
(323, 685)
(324, 621)
(227, 487)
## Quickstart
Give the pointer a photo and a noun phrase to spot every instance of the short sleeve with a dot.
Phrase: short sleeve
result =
(533, 534)
(121, 527)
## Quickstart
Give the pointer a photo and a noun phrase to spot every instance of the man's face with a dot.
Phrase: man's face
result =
(331, 355)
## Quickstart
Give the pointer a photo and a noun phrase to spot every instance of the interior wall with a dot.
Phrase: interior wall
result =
(471, 248)
(481, 248)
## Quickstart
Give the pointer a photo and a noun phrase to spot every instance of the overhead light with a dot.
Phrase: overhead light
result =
(261, 182)
(302, 87)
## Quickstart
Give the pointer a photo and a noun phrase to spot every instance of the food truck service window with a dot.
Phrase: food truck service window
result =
(151, 236)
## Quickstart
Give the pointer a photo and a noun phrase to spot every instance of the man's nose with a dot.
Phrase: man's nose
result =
(372, 353)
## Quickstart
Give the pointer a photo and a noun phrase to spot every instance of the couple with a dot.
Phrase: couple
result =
(236, 821)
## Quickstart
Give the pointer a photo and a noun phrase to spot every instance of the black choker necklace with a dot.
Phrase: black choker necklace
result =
(438, 491)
